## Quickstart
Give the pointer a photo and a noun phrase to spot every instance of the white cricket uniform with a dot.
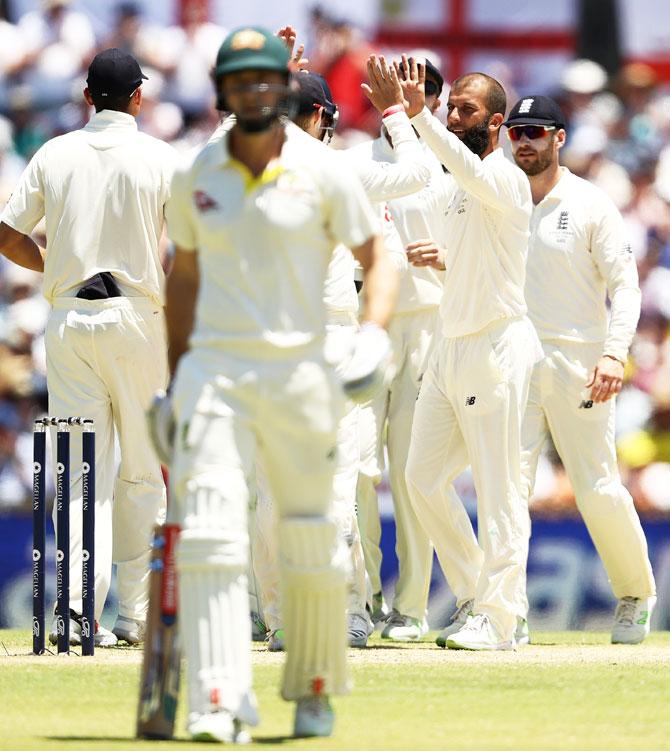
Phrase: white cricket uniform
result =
(102, 190)
(416, 216)
(255, 383)
(578, 255)
(474, 393)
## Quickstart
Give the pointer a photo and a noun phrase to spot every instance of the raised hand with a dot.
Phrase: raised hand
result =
(412, 77)
(289, 36)
(383, 88)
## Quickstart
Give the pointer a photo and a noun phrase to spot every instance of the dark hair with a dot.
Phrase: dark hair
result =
(116, 103)
(495, 99)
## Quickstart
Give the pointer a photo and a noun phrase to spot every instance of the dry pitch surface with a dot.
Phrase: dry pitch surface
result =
(566, 691)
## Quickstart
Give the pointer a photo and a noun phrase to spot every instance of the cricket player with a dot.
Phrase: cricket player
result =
(419, 220)
(255, 218)
(475, 389)
(103, 190)
(316, 115)
(578, 257)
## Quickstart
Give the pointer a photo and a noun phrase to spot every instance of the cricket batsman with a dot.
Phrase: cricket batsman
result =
(255, 217)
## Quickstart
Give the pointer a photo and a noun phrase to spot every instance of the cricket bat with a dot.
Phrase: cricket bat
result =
(159, 688)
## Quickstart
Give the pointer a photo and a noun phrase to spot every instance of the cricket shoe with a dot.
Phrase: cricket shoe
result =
(276, 641)
(129, 630)
(216, 727)
(632, 619)
(314, 717)
(522, 633)
(380, 610)
(479, 634)
(359, 627)
(259, 630)
(404, 628)
(103, 636)
(457, 620)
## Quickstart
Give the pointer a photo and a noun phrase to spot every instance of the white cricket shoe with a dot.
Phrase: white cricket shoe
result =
(632, 619)
(458, 619)
(216, 727)
(522, 633)
(358, 629)
(129, 630)
(404, 628)
(313, 717)
(103, 636)
(276, 641)
(479, 633)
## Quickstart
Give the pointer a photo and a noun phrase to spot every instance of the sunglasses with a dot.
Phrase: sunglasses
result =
(431, 88)
(530, 131)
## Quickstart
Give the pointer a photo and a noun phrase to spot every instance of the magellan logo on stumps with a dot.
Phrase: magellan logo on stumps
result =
(247, 39)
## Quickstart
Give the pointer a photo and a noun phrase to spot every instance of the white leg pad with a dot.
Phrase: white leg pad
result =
(214, 603)
(313, 566)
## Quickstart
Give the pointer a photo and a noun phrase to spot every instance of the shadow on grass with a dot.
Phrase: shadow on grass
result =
(266, 740)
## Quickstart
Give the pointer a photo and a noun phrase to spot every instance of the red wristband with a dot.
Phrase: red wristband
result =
(393, 110)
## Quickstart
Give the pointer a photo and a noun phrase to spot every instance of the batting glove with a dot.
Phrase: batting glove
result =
(162, 425)
(369, 364)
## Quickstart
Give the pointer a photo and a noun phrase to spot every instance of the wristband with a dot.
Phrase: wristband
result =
(392, 110)
(613, 357)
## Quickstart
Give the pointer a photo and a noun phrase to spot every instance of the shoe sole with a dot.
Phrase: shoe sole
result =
(501, 647)
(358, 643)
(403, 638)
(127, 638)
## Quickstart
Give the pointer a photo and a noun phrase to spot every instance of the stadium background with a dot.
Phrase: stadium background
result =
(619, 137)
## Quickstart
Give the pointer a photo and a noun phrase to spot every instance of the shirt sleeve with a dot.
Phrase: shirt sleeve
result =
(383, 181)
(349, 214)
(25, 206)
(179, 211)
(615, 261)
(392, 241)
(496, 188)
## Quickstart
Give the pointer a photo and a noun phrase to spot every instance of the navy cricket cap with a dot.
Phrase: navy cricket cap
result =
(114, 73)
(536, 110)
(313, 91)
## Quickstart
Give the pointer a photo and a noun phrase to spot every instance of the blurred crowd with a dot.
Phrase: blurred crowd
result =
(618, 137)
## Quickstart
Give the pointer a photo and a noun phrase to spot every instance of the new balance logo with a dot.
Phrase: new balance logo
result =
(563, 220)
(524, 107)
(586, 404)
(469, 400)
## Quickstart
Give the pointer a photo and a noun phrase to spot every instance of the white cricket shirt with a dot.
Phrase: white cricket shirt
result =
(578, 255)
(487, 230)
(102, 190)
(419, 216)
(264, 244)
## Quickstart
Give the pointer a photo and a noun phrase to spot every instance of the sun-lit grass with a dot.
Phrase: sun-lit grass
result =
(567, 691)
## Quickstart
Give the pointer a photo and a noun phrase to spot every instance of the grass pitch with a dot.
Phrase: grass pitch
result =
(566, 691)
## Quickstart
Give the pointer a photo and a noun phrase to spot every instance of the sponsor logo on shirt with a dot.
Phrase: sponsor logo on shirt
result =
(204, 202)
(470, 400)
(562, 221)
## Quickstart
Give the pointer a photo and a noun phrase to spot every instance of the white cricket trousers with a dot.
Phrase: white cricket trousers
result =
(583, 433)
(105, 361)
(469, 411)
(231, 413)
(412, 337)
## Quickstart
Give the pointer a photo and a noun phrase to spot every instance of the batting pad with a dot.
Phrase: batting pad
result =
(313, 568)
(215, 625)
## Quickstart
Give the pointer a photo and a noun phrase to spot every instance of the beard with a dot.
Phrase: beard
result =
(477, 138)
(544, 159)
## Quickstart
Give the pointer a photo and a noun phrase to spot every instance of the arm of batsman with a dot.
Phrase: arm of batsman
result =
(162, 426)
(368, 366)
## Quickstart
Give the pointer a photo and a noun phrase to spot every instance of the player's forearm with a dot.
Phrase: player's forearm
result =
(380, 285)
(182, 292)
(624, 315)
(21, 249)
